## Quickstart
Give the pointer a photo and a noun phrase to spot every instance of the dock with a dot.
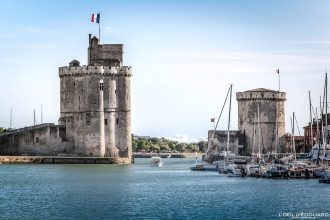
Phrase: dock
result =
(62, 160)
(325, 180)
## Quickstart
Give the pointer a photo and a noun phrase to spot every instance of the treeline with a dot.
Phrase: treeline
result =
(2, 130)
(157, 145)
(163, 145)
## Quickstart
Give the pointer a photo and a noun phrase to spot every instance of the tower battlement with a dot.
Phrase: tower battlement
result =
(94, 70)
(261, 94)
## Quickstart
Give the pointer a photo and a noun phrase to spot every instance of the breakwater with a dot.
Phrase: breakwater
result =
(163, 155)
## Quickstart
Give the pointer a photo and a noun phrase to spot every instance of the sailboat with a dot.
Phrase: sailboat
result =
(223, 154)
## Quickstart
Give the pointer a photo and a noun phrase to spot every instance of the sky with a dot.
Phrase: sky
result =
(184, 55)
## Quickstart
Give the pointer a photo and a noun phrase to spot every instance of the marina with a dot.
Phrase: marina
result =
(96, 191)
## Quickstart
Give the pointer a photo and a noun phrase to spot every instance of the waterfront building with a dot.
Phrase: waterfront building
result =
(271, 112)
(219, 142)
(95, 111)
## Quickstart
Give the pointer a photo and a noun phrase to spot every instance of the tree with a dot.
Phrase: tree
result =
(202, 145)
(164, 147)
(3, 130)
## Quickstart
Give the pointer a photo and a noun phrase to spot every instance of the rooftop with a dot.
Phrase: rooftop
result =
(260, 90)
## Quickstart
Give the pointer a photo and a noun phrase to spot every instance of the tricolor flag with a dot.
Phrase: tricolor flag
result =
(212, 119)
(95, 18)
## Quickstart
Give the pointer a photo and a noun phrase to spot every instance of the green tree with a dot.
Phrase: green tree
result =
(3, 130)
(164, 146)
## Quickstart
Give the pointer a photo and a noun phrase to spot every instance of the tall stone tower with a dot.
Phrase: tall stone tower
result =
(268, 101)
(96, 103)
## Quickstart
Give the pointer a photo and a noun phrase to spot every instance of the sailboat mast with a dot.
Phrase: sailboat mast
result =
(317, 126)
(326, 108)
(322, 128)
(259, 133)
(311, 118)
(11, 117)
(317, 134)
(293, 141)
(228, 135)
(254, 131)
(41, 114)
(34, 117)
(212, 136)
(276, 129)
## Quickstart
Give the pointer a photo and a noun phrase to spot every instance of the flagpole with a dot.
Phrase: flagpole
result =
(279, 80)
(100, 27)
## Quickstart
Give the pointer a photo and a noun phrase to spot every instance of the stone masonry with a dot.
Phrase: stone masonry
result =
(267, 100)
(96, 102)
(95, 119)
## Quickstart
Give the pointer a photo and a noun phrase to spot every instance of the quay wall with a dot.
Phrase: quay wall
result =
(62, 160)
(44, 139)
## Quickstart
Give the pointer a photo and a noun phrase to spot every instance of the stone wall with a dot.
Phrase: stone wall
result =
(267, 100)
(80, 108)
(80, 102)
(44, 139)
(219, 142)
(104, 54)
(95, 106)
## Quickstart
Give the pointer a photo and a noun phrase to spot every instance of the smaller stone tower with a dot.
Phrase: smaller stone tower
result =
(268, 101)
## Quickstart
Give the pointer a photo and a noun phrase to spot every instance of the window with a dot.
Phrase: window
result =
(117, 121)
(88, 119)
(74, 84)
(105, 121)
(37, 139)
(101, 86)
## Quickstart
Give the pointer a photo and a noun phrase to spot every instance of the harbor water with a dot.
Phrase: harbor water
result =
(141, 191)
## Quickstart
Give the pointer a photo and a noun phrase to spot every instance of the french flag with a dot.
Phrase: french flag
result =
(95, 18)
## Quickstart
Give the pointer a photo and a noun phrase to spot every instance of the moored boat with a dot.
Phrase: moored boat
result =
(156, 161)
(277, 171)
(204, 167)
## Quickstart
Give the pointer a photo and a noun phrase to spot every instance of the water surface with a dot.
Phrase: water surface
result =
(140, 191)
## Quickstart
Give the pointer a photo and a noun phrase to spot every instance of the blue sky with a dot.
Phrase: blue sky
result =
(184, 55)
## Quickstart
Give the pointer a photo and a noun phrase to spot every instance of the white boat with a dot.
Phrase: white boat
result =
(252, 168)
(156, 161)
(204, 167)
(234, 170)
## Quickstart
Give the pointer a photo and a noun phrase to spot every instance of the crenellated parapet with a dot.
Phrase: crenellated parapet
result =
(80, 71)
(261, 94)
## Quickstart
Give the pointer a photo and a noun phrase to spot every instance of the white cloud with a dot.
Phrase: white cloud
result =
(183, 138)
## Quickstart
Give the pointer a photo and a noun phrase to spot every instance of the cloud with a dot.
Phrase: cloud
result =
(183, 138)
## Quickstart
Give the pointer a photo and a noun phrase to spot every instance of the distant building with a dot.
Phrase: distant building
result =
(253, 133)
(219, 142)
(308, 141)
(286, 143)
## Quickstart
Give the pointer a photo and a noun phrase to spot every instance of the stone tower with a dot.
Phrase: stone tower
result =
(267, 100)
(96, 103)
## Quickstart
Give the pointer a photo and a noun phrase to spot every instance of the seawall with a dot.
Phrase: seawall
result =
(62, 160)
